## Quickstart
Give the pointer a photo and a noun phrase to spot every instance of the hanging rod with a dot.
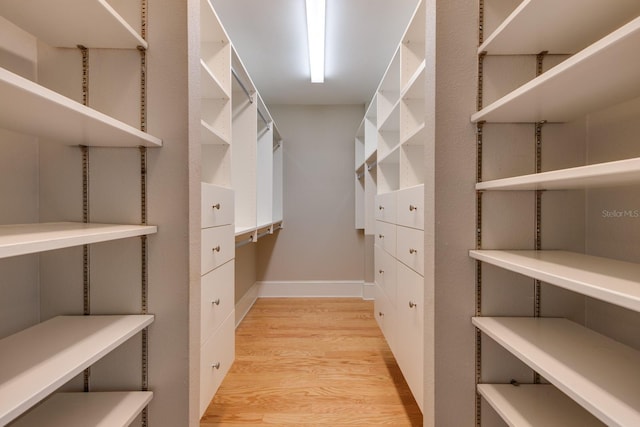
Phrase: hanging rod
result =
(246, 92)
(244, 88)
(372, 165)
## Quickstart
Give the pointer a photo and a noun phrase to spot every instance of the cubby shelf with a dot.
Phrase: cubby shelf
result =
(38, 360)
(613, 281)
(415, 86)
(539, 405)
(603, 376)
(565, 30)
(577, 85)
(211, 86)
(95, 409)
(38, 111)
(210, 136)
(21, 239)
(69, 23)
(620, 172)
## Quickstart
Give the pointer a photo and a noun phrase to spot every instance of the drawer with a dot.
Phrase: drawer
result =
(410, 247)
(384, 314)
(410, 207)
(386, 236)
(217, 205)
(385, 207)
(218, 246)
(216, 357)
(216, 299)
(409, 329)
(385, 274)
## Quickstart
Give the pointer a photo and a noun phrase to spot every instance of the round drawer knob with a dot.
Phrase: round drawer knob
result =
(216, 302)
(216, 249)
(413, 208)
(412, 304)
(381, 271)
(216, 206)
(413, 251)
(381, 207)
(380, 236)
(381, 314)
(216, 365)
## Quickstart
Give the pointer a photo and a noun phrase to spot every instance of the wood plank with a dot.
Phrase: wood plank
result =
(322, 361)
(536, 405)
(616, 282)
(604, 374)
(21, 239)
(95, 409)
(38, 360)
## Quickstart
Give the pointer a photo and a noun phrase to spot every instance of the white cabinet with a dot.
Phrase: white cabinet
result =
(554, 296)
(38, 360)
(396, 122)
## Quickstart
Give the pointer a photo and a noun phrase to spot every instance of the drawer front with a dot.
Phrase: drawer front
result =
(385, 207)
(410, 248)
(410, 207)
(217, 206)
(384, 314)
(386, 236)
(216, 357)
(216, 299)
(218, 246)
(385, 274)
(409, 328)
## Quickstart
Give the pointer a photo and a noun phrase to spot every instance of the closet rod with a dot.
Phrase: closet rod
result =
(246, 92)
(372, 165)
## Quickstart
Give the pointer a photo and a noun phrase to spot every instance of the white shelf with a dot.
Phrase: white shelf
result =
(211, 136)
(616, 282)
(576, 86)
(241, 231)
(417, 137)
(602, 375)
(621, 172)
(38, 111)
(40, 359)
(69, 23)
(211, 86)
(539, 405)
(24, 239)
(559, 27)
(391, 123)
(95, 409)
(415, 85)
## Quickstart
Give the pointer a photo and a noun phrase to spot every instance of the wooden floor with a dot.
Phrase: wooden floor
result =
(314, 362)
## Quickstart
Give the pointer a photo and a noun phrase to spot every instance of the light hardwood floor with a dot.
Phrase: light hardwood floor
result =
(314, 362)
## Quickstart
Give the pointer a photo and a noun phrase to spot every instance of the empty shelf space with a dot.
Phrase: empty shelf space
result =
(539, 405)
(415, 86)
(95, 409)
(38, 360)
(576, 86)
(211, 86)
(621, 172)
(69, 23)
(38, 111)
(21, 239)
(604, 373)
(616, 282)
(211, 136)
(567, 26)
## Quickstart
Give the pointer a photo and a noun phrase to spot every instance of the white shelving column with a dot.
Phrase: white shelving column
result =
(278, 178)
(40, 359)
(591, 373)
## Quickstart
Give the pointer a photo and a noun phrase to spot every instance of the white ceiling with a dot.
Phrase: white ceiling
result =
(270, 38)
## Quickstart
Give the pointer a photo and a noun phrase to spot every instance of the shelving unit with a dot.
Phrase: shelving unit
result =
(40, 359)
(604, 373)
(99, 409)
(390, 191)
(565, 108)
(53, 353)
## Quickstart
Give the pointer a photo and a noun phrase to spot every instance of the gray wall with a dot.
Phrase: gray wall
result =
(319, 241)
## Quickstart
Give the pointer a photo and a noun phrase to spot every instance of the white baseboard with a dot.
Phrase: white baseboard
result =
(246, 302)
(368, 291)
(317, 289)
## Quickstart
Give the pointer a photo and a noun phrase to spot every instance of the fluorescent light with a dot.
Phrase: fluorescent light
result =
(315, 38)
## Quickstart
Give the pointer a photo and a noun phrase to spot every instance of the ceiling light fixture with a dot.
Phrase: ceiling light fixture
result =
(315, 38)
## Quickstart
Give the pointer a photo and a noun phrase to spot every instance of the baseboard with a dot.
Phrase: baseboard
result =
(316, 289)
(368, 291)
(246, 302)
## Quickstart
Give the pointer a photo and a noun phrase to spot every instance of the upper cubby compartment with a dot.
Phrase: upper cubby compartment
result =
(576, 86)
(388, 93)
(38, 111)
(562, 27)
(69, 23)
(215, 47)
(412, 48)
